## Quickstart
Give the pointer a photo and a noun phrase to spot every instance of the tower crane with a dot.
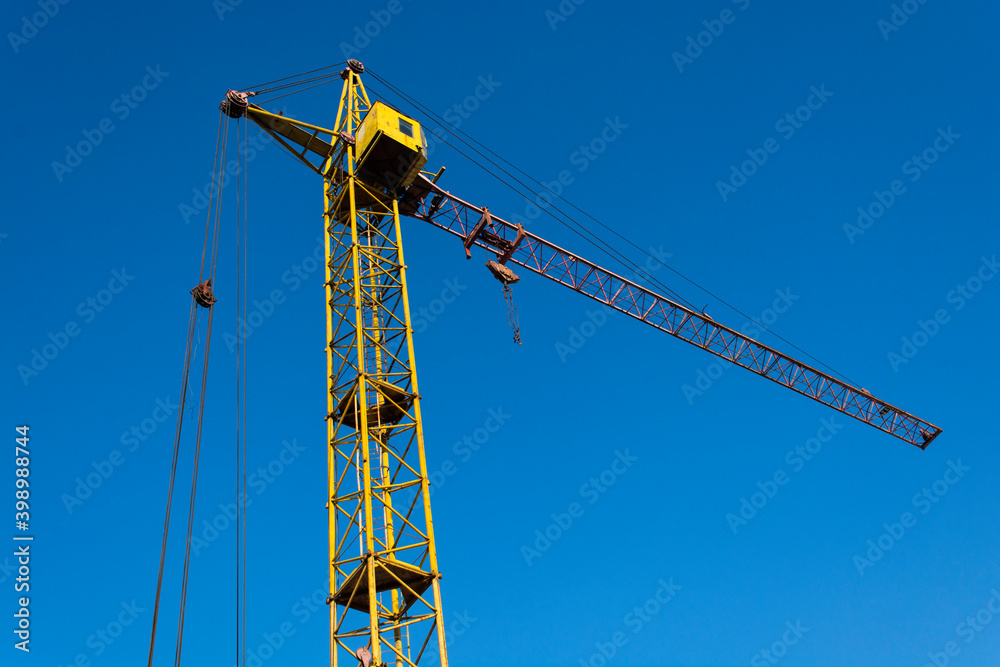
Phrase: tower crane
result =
(384, 583)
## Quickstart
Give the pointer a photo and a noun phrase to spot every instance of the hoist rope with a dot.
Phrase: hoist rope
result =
(323, 80)
(581, 230)
(211, 192)
(260, 87)
(322, 83)
(242, 298)
(180, 413)
(239, 297)
(569, 222)
(194, 488)
(173, 474)
(201, 404)
(221, 143)
(512, 315)
(296, 81)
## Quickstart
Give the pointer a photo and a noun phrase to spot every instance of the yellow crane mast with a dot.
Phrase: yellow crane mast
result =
(385, 597)
(384, 590)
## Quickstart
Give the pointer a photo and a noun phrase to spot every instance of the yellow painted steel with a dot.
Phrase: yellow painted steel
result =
(381, 540)
(390, 146)
(383, 118)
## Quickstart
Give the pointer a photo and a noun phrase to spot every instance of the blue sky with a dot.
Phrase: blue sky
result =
(866, 213)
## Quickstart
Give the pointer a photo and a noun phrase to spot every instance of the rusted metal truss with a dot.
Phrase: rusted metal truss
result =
(512, 242)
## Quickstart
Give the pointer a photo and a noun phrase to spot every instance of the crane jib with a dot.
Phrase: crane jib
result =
(475, 226)
(535, 254)
(383, 566)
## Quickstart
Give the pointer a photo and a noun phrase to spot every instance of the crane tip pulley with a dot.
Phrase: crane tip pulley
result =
(236, 103)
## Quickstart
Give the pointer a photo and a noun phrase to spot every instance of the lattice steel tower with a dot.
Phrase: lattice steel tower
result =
(385, 598)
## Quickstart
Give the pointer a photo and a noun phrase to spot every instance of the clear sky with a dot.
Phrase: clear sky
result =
(828, 168)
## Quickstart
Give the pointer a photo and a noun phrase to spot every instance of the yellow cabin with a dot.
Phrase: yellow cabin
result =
(391, 147)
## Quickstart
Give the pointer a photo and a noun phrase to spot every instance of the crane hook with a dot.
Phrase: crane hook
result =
(507, 278)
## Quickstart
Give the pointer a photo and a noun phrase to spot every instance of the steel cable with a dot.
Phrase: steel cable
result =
(180, 414)
(607, 248)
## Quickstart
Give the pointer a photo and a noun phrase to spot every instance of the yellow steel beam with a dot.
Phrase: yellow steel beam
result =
(372, 400)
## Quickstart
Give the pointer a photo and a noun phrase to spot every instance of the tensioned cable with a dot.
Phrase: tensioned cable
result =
(180, 414)
(218, 214)
(173, 475)
(239, 298)
(315, 85)
(241, 345)
(456, 132)
(246, 315)
(292, 76)
(569, 223)
(300, 82)
(279, 146)
(211, 192)
(331, 76)
(201, 416)
(581, 231)
(608, 248)
(595, 240)
(459, 134)
(194, 488)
